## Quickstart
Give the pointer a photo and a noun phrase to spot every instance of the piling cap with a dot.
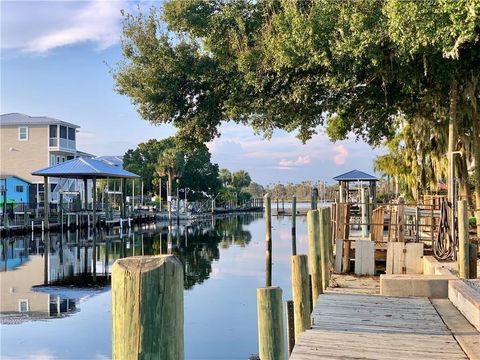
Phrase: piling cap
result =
(147, 263)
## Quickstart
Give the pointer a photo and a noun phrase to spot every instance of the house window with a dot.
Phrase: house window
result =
(71, 134)
(23, 305)
(19, 188)
(53, 131)
(23, 133)
(63, 132)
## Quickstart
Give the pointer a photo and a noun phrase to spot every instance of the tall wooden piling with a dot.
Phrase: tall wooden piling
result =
(270, 323)
(294, 225)
(94, 221)
(290, 317)
(268, 240)
(473, 251)
(324, 222)
(147, 308)
(314, 253)
(45, 201)
(463, 242)
(364, 209)
(301, 293)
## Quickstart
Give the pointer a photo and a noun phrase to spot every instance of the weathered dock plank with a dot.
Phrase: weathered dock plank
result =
(351, 326)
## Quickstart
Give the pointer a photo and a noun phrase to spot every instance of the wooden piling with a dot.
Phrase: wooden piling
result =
(473, 251)
(46, 209)
(147, 308)
(463, 243)
(301, 293)
(294, 225)
(364, 214)
(94, 221)
(314, 253)
(289, 315)
(401, 220)
(270, 323)
(324, 233)
(268, 240)
(46, 254)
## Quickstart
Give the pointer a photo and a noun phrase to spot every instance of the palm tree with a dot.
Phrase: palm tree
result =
(225, 177)
(241, 179)
(170, 163)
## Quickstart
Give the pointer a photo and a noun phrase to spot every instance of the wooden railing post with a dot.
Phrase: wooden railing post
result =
(463, 243)
(147, 308)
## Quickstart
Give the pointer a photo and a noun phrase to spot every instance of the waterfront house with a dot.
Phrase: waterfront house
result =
(28, 143)
(13, 189)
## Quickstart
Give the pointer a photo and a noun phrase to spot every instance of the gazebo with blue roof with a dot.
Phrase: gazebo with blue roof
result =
(85, 169)
(355, 176)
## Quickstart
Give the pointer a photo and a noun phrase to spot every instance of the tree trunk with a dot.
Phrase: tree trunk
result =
(169, 189)
(476, 157)
(452, 138)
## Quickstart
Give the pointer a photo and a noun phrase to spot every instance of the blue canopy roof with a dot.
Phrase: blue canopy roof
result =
(355, 175)
(85, 168)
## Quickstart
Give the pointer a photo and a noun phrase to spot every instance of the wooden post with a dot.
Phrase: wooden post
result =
(300, 293)
(473, 251)
(314, 253)
(294, 225)
(85, 195)
(324, 233)
(401, 220)
(270, 324)
(46, 254)
(364, 217)
(289, 315)
(94, 248)
(159, 194)
(147, 308)
(45, 201)
(124, 200)
(268, 240)
(463, 243)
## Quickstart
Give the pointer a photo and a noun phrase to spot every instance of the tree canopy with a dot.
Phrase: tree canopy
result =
(382, 70)
(164, 159)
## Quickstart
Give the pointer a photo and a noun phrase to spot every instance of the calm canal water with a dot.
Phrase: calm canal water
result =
(224, 261)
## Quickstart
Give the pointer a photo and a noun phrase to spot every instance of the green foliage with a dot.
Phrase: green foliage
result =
(241, 179)
(472, 221)
(354, 66)
(165, 159)
(143, 159)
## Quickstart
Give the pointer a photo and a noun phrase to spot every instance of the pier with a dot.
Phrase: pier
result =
(352, 326)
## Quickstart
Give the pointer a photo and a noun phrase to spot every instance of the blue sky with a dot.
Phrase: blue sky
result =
(55, 59)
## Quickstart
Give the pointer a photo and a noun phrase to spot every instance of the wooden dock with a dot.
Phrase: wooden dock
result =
(351, 326)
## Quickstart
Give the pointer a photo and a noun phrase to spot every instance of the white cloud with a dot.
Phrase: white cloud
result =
(299, 161)
(38, 27)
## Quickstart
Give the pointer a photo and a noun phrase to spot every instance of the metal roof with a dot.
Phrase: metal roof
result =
(112, 160)
(355, 175)
(85, 168)
(18, 119)
(8, 176)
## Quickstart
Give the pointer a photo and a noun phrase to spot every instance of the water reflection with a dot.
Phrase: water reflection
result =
(67, 265)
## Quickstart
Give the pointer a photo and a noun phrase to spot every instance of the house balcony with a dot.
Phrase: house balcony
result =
(59, 144)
